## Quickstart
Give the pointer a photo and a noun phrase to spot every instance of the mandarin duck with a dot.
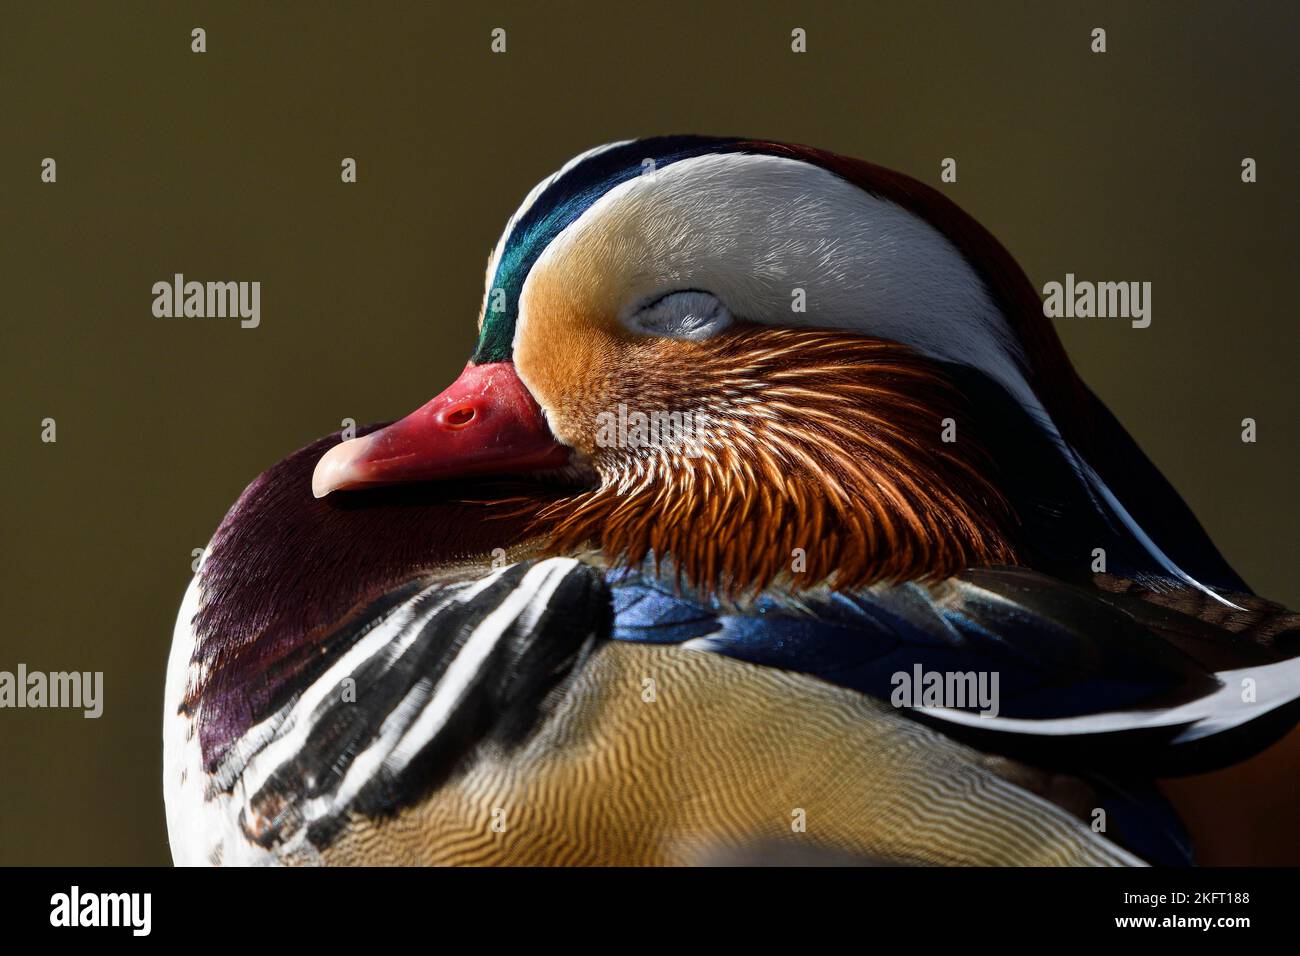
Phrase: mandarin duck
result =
(518, 626)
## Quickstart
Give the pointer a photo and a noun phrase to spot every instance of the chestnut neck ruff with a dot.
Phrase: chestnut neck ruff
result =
(819, 458)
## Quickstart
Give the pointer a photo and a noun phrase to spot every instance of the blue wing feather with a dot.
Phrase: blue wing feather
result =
(1046, 665)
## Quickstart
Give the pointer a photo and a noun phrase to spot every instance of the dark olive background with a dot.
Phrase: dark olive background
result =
(225, 165)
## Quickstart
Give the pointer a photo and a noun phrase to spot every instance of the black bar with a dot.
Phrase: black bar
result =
(468, 908)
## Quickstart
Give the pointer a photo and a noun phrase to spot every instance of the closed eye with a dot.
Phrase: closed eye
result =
(690, 314)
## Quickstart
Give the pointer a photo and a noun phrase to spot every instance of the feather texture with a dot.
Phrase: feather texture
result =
(696, 642)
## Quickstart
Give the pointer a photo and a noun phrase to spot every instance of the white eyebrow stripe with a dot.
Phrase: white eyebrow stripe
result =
(752, 227)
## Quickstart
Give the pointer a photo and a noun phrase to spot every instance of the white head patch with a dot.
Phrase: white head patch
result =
(779, 242)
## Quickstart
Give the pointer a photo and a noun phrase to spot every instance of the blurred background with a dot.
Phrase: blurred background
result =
(226, 166)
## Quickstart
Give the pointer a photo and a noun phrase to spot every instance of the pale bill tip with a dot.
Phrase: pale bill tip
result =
(336, 468)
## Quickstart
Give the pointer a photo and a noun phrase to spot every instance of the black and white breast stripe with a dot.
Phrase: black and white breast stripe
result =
(447, 668)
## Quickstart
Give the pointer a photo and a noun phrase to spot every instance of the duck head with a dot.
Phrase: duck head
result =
(769, 364)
